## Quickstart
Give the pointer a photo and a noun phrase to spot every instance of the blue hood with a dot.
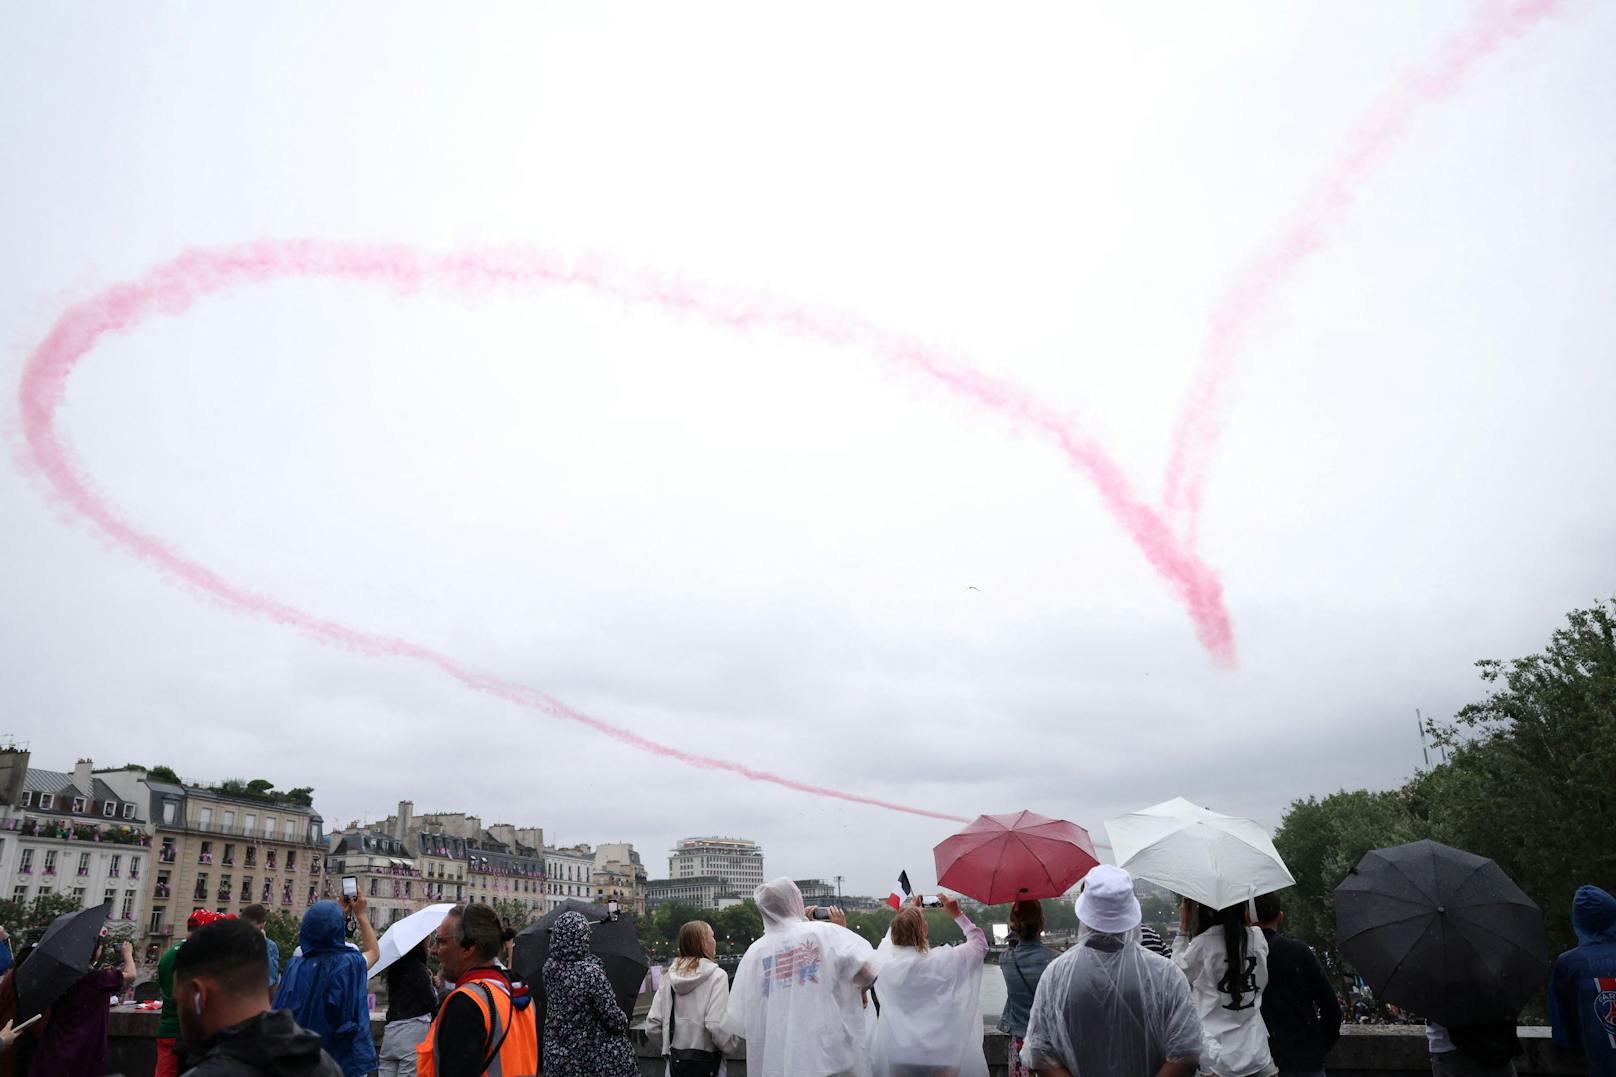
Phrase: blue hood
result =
(322, 928)
(326, 990)
(1593, 916)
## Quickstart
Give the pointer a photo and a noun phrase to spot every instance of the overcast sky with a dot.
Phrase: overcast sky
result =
(768, 549)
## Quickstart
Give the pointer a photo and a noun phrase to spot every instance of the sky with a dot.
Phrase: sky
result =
(769, 545)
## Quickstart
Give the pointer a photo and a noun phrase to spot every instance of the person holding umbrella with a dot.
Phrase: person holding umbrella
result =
(1022, 965)
(585, 1030)
(74, 1040)
(1226, 963)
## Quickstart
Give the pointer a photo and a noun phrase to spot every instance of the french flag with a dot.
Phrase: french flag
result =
(901, 892)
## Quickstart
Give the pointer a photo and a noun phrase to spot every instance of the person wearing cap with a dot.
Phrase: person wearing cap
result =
(168, 1022)
(1108, 1005)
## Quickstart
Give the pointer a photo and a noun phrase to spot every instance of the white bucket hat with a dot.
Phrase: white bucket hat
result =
(1107, 902)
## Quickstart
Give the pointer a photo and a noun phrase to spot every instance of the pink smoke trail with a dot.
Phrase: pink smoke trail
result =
(1306, 232)
(173, 287)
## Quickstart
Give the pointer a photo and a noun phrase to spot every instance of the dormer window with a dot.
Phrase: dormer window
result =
(109, 808)
(28, 800)
(128, 811)
(78, 805)
(46, 800)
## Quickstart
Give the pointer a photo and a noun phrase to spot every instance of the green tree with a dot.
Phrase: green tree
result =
(162, 773)
(261, 786)
(1528, 779)
(513, 914)
(303, 795)
(1322, 840)
(20, 917)
(738, 926)
(283, 927)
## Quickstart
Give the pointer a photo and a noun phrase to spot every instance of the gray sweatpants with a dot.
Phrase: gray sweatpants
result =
(398, 1045)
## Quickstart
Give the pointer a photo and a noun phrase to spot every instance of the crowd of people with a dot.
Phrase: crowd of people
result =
(1231, 995)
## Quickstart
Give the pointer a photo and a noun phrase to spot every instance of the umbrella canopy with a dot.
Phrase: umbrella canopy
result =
(407, 934)
(1022, 856)
(1218, 860)
(1441, 932)
(62, 956)
(615, 942)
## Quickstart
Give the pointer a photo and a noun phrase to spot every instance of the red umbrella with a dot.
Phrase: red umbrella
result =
(1022, 856)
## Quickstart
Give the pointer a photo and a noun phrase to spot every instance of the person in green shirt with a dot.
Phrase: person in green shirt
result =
(168, 1023)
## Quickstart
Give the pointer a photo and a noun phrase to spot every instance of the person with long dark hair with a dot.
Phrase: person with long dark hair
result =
(411, 1004)
(1021, 966)
(1226, 963)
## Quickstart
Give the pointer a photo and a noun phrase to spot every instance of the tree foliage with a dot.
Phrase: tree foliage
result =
(21, 916)
(163, 773)
(1526, 783)
(283, 927)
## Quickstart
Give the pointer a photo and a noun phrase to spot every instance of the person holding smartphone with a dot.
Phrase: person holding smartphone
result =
(797, 995)
(931, 1013)
(327, 986)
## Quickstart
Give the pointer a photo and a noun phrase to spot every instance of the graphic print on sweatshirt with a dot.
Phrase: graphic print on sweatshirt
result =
(1605, 1006)
(1248, 987)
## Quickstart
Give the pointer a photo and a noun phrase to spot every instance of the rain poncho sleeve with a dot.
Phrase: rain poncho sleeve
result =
(931, 1007)
(327, 989)
(1109, 1006)
(796, 995)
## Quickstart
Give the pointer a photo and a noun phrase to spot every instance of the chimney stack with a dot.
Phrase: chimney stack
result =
(405, 822)
(84, 779)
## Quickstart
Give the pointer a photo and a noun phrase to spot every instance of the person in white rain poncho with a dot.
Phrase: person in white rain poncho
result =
(931, 1011)
(1108, 1005)
(796, 997)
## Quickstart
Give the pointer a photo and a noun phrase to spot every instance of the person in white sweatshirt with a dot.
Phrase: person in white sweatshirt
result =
(700, 990)
(930, 1023)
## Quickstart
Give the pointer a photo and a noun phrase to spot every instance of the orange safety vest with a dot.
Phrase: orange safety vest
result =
(513, 1029)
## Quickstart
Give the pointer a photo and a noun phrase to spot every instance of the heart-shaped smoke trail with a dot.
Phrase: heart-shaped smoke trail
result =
(174, 286)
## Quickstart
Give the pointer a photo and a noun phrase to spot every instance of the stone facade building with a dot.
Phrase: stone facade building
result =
(703, 892)
(569, 872)
(84, 834)
(225, 848)
(619, 874)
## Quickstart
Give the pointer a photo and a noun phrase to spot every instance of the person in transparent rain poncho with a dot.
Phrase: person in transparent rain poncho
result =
(930, 1023)
(1108, 1006)
(797, 997)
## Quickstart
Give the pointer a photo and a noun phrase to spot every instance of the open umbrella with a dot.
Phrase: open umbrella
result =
(1218, 860)
(1021, 856)
(615, 942)
(407, 934)
(1441, 932)
(62, 956)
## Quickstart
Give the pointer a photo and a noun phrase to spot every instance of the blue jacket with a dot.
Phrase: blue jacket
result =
(327, 989)
(1582, 987)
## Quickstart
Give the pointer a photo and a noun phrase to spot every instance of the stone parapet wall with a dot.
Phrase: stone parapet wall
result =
(1361, 1052)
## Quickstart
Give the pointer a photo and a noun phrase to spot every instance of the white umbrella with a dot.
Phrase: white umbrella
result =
(1218, 860)
(405, 935)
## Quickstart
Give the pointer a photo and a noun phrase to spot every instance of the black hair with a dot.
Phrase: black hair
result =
(1233, 920)
(256, 915)
(1268, 907)
(233, 952)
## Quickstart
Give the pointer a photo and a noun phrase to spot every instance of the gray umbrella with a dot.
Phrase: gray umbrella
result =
(61, 958)
(1441, 932)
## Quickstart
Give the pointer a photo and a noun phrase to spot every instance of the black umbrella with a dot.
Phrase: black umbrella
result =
(1441, 932)
(61, 958)
(615, 942)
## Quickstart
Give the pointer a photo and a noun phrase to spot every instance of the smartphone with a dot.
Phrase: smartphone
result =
(931, 901)
(18, 1028)
(821, 912)
(350, 886)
